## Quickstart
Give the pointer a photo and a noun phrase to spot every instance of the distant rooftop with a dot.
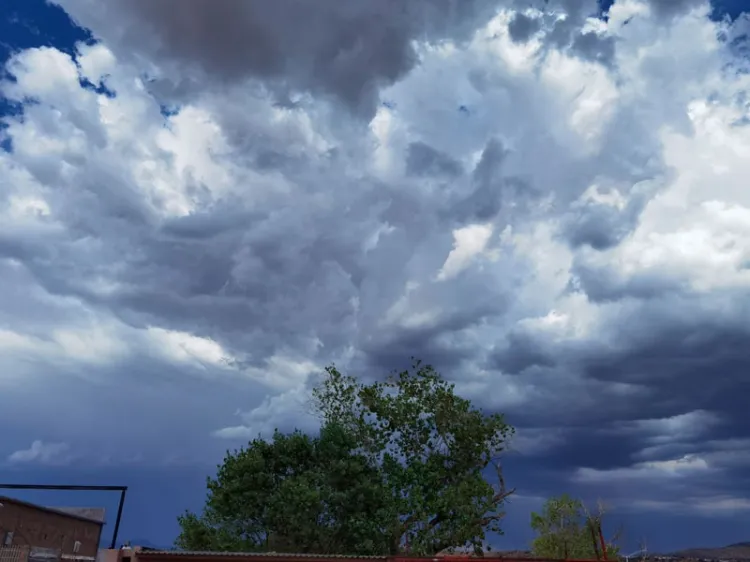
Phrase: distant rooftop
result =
(146, 553)
(199, 553)
(91, 514)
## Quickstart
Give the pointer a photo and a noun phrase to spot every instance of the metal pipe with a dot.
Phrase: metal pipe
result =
(62, 487)
(119, 516)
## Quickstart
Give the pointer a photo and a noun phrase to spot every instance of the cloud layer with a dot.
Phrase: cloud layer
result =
(196, 218)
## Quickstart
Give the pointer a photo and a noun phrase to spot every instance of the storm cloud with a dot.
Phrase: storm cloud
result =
(210, 201)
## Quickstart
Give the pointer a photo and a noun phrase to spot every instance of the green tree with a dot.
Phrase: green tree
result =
(434, 451)
(293, 493)
(565, 529)
(399, 465)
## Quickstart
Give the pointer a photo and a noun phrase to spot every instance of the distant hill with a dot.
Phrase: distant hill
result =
(148, 544)
(737, 551)
(733, 552)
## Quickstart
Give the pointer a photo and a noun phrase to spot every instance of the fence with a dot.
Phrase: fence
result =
(14, 553)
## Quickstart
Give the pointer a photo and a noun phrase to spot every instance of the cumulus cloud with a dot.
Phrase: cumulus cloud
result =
(196, 218)
(347, 50)
(655, 469)
(284, 412)
(469, 242)
(344, 49)
(715, 507)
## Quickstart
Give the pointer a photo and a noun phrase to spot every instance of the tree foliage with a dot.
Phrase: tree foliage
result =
(293, 493)
(433, 449)
(566, 530)
(399, 465)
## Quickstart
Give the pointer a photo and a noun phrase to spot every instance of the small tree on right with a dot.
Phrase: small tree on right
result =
(566, 530)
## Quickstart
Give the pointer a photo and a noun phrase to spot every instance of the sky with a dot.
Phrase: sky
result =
(204, 203)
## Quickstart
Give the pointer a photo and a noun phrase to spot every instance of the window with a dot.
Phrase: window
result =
(76, 546)
(8, 539)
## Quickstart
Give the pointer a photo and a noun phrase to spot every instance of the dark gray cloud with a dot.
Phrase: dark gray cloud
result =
(349, 50)
(345, 49)
(670, 8)
(671, 363)
(603, 225)
(521, 351)
(491, 191)
(599, 226)
(592, 47)
(422, 159)
(602, 284)
(522, 27)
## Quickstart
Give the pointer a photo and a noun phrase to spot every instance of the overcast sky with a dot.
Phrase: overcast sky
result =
(204, 202)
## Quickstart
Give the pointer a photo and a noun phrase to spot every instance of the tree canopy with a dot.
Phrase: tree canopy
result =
(566, 530)
(294, 492)
(399, 465)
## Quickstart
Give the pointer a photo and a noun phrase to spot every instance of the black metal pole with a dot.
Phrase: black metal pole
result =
(62, 487)
(119, 516)
(69, 487)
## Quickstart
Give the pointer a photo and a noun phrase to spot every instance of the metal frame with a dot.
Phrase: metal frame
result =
(121, 489)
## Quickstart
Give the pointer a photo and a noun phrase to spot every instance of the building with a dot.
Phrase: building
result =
(69, 530)
(139, 554)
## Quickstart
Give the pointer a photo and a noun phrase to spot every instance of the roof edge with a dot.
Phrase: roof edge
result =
(257, 555)
(146, 553)
(52, 510)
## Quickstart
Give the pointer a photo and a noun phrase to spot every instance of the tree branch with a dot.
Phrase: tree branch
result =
(502, 492)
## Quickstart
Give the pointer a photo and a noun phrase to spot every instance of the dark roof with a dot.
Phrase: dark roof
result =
(148, 552)
(92, 513)
(88, 514)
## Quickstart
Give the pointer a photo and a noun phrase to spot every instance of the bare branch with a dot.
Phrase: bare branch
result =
(502, 492)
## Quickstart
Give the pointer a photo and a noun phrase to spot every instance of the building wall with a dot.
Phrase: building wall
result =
(151, 556)
(45, 529)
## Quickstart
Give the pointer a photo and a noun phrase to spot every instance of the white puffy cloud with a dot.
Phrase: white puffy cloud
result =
(42, 453)
(287, 411)
(469, 242)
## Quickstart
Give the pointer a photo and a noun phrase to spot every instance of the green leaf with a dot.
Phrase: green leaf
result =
(563, 530)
